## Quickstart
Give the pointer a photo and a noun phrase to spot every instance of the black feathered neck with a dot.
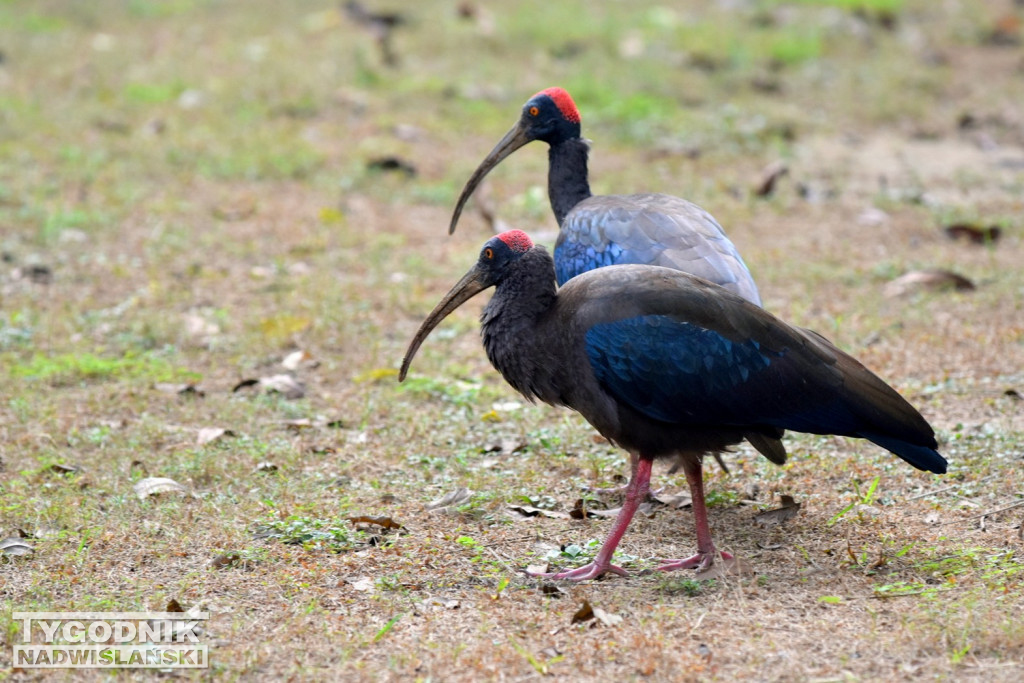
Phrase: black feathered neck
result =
(568, 184)
(509, 324)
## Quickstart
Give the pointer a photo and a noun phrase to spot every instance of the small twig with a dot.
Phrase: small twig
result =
(887, 596)
(946, 488)
(988, 513)
(932, 493)
(508, 541)
(700, 620)
(500, 559)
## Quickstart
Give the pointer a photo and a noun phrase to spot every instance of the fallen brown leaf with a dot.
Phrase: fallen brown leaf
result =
(607, 618)
(285, 385)
(975, 234)
(769, 177)
(392, 164)
(363, 584)
(152, 486)
(179, 389)
(451, 499)
(584, 613)
(933, 280)
(13, 545)
(675, 500)
(770, 518)
(552, 590)
(384, 522)
(504, 446)
(299, 360)
(210, 434)
(530, 511)
(224, 561)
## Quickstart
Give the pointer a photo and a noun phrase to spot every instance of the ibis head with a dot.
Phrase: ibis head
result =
(550, 116)
(495, 257)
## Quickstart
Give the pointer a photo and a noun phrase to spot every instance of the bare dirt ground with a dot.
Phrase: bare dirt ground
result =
(186, 200)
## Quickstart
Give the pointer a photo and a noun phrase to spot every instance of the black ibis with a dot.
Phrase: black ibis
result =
(652, 229)
(666, 364)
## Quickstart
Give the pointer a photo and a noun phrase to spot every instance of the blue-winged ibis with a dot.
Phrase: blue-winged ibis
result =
(651, 229)
(666, 364)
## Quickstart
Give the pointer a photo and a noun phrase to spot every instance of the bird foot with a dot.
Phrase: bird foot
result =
(701, 562)
(589, 571)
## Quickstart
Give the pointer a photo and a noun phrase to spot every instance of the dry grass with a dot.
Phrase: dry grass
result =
(190, 178)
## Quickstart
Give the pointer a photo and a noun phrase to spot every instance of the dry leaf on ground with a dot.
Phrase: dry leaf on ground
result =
(975, 234)
(530, 511)
(152, 486)
(584, 613)
(383, 522)
(285, 385)
(927, 280)
(15, 546)
(607, 618)
(770, 518)
(451, 499)
(210, 434)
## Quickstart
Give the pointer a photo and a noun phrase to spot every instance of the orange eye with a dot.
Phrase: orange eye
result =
(488, 253)
(534, 111)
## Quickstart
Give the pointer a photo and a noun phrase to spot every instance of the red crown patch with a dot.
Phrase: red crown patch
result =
(517, 240)
(564, 102)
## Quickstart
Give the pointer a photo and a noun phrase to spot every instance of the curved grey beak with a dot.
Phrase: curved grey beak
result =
(471, 284)
(513, 140)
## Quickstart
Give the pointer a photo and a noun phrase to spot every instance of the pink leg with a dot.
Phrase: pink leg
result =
(705, 556)
(602, 491)
(612, 490)
(639, 484)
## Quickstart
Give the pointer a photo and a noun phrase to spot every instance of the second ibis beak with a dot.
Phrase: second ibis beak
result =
(513, 140)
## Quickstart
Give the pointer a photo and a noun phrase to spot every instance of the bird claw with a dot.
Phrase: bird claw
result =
(701, 562)
(584, 573)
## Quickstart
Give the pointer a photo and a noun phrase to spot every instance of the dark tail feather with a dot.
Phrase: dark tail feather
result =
(769, 446)
(921, 457)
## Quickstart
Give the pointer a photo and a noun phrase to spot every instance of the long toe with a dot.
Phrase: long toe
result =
(700, 561)
(589, 571)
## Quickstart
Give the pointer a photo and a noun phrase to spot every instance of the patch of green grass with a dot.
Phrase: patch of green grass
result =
(719, 497)
(152, 93)
(893, 6)
(577, 555)
(480, 556)
(70, 368)
(312, 533)
(457, 392)
(996, 569)
(691, 588)
(795, 49)
(865, 498)
(15, 329)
